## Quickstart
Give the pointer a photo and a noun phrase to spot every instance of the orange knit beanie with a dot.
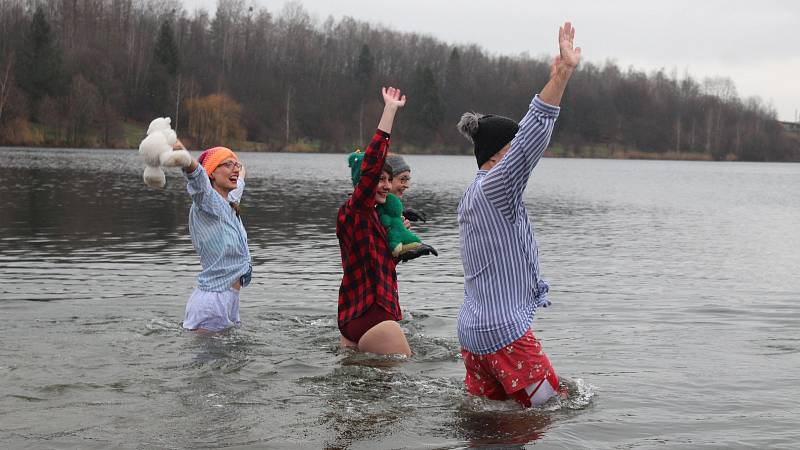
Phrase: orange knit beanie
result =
(211, 158)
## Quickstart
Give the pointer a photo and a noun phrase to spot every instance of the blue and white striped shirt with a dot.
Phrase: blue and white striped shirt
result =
(502, 286)
(218, 234)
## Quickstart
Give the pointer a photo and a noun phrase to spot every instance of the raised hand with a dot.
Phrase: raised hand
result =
(178, 145)
(180, 157)
(568, 55)
(392, 97)
(393, 101)
(563, 66)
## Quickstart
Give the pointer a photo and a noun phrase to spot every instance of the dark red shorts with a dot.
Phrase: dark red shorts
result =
(356, 328)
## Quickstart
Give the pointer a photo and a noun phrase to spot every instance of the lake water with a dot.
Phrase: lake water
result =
(675, 318)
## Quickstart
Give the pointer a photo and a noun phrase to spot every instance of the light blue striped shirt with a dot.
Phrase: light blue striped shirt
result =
(502, 286)
(218, 234)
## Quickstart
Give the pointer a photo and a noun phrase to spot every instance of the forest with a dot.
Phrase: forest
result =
(93, 73)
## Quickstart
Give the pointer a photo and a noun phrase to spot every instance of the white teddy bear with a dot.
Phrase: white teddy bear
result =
(156, 150)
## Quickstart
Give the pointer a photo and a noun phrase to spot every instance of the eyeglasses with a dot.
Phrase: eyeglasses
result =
(230, 165)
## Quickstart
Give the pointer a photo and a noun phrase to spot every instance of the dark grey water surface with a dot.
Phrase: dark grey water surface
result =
(675, 316)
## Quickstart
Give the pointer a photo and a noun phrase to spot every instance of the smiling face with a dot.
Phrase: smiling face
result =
(400, 183)
(225, 177)
(384, 187)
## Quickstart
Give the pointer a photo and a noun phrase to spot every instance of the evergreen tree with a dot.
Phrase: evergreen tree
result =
(39, 72)
(455, 96)
(166, 51)
(162, 71)
(427, 109)
(365, 67)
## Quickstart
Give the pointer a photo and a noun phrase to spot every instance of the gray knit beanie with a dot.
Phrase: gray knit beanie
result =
(398, 164)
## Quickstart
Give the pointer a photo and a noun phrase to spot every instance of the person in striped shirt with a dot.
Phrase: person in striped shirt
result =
(215, 182)
(502, 280)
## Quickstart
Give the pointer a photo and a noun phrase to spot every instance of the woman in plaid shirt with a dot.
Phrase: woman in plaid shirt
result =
(368, 305)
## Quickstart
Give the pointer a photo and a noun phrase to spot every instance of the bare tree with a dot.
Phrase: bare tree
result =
(5, 82)
(295, 79)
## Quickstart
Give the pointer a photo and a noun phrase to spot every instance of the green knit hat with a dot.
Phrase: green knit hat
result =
(354, 161)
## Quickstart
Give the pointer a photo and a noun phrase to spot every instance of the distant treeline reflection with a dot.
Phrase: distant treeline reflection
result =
(92, 73)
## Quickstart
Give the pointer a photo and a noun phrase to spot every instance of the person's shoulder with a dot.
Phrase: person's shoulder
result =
(345, 209)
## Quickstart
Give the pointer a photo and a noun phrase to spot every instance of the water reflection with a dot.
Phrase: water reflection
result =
(501, 429)
(361, 404)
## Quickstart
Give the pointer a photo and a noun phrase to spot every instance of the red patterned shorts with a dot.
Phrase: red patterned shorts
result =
(507, 372)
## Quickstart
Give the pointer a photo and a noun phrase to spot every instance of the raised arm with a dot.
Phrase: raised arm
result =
(392, 100)
(193, 165)
(199, 186)
(505, 183)
(236, 194)
(375, 155)
(563, 66)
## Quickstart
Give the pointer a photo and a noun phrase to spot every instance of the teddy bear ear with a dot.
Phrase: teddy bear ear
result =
(160, 123)
(153, 126)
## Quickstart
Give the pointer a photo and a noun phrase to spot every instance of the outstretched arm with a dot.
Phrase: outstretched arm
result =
(563, 66)
(199, 186)
(392, 102)
(375, 155)
(506, 182)
(191, 167)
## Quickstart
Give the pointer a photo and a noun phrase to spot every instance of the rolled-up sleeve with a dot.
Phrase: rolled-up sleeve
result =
(200, 190)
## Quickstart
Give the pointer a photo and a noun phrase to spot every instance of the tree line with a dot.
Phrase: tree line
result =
(94, 72)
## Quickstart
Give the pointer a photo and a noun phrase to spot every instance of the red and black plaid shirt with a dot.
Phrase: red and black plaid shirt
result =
(369, 270)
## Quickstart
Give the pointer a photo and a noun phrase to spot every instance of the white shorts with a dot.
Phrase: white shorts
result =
(212, 311)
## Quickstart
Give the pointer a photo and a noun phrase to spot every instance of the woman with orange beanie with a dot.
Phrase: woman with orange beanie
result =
(215, 184)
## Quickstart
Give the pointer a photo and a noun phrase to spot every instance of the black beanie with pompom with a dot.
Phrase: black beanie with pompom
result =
(489, 133)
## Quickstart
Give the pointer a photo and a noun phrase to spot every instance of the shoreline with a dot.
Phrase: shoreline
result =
(132, 135)
(584, 153)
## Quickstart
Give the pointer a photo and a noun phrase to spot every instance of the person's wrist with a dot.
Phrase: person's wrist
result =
(564, 71)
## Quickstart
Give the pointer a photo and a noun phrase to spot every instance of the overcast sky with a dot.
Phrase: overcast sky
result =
(755, 43)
